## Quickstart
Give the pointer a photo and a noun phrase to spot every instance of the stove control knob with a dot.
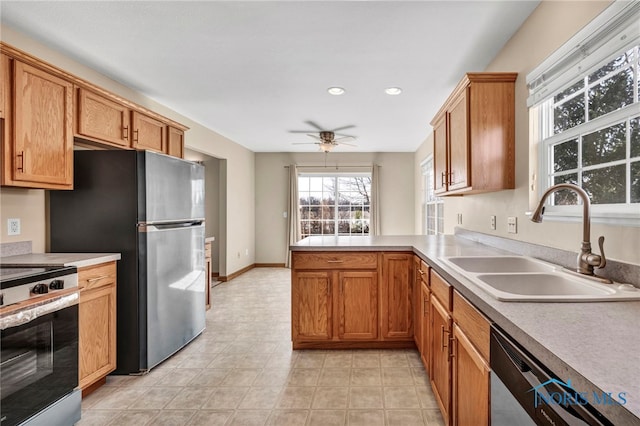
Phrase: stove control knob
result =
(56, 285)
(40, 289)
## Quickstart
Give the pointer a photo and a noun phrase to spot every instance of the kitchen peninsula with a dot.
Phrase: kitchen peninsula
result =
(589, 344)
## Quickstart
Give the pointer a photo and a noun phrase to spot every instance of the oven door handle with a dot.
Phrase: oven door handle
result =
(30, 313)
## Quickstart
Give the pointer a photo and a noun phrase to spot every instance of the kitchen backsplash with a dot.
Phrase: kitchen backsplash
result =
(614, 270)
(14, 249)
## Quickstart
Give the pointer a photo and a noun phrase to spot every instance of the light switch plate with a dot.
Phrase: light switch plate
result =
(512, 225)
(492, 222)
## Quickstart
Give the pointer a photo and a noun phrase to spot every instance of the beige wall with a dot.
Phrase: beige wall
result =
(240, 165)
(396, 194)
(548, 27)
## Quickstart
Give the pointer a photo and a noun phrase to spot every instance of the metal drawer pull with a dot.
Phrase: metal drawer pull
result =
(135, 135)
(335, 261)
(443, 331)
(125, 132)
(92, 280)
(452, 346)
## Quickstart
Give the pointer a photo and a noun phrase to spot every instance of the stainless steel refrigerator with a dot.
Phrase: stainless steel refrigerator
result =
(150, 208)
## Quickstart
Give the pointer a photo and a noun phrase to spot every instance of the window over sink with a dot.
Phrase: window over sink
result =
(585, 115)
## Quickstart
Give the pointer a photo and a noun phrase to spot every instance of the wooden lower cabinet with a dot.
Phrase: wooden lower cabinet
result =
(417, 303)
(425, 319)
(97, 325)
(311, 308)
(471, 383)
(396, 295)
(440, 368)
(357, 302)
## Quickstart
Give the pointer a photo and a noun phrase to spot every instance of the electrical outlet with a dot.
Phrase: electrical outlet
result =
(246, 252)
(492, 222)
(512, 225)
(459, 218)
(13, 226)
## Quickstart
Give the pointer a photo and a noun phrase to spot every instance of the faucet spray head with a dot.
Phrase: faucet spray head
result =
(537, 214)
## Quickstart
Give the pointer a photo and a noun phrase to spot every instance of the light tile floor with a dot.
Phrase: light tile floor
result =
(242, 371)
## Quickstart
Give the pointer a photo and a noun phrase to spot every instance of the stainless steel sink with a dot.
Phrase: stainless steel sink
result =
(524, 279)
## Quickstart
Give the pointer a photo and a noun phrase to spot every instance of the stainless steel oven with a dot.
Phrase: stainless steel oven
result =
(39, 346)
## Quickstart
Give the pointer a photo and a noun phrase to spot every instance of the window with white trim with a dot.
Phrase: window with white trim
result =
(587, 115)
(334, 204)
(432, 206)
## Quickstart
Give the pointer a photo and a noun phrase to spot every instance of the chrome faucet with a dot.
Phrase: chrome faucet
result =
(586, 260)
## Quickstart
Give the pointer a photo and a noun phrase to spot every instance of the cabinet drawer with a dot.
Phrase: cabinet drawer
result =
(473, 323)
(335, 260)
(97, 275)
(441, 289)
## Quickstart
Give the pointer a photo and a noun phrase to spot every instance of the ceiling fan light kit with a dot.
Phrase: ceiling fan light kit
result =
(393, 91)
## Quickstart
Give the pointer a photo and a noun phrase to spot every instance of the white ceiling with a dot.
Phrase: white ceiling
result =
(255, 71)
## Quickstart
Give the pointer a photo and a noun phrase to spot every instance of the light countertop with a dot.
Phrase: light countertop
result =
(78, 260)
(596, 345)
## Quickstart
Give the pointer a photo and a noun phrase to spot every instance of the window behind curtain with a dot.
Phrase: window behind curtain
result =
(334, 204)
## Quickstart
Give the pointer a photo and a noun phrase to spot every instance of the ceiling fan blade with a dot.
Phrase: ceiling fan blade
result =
(345, 138)
(315, 125)
(344, 135)
(313, 136)
(304, 143)
(347, 144)
(343, 128)
(298, 131)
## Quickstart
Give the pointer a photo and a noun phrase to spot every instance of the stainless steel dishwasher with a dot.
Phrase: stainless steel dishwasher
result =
(523, 392)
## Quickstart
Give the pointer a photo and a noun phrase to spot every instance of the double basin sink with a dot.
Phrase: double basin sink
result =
(525, 279)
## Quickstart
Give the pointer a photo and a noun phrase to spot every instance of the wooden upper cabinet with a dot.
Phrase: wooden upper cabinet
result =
(397, 312)
(440, 155)
(5, 84)
(474, 136)
(102, 119)
(42, 147)
(148, 133)
(458, 144)
(358, 305)
(175, 142)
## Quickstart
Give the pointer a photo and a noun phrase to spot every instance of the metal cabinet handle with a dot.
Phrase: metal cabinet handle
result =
(425, 307)
(442, 333)
(135, 135)
(452, 347)
(442, 179)
(21, 155)
(92, 280)
(125, 132)
(335, 261)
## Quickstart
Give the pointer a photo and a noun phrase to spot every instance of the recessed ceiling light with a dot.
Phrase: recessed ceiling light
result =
(393, 91)
(336, 91)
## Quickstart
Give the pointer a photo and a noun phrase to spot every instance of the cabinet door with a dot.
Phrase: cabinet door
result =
(97, 334)
(440, 359)
(175, 142)
(102, 119)
(470, 383)
(417, 304)
(43, 143)
(459, 176)
(440, 155)
(396, 296)
(148, 133)
(311, 307)
(358, 305)
(5, 84)
(425, 319)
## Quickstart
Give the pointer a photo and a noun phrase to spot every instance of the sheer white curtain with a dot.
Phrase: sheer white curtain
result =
(293, 228)
(374, 221)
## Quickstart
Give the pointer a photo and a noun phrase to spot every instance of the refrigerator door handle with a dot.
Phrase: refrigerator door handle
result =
(145, 227)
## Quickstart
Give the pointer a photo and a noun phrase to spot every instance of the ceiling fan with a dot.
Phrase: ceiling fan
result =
(326, 139)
